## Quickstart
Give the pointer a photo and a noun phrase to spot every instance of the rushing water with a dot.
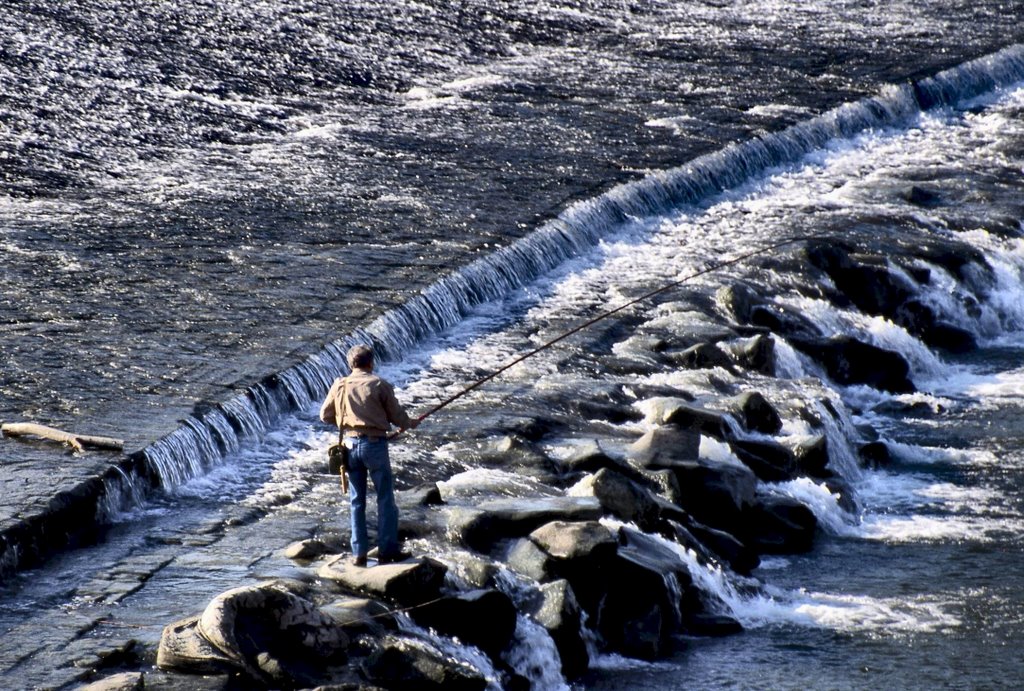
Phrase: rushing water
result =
(199, 200)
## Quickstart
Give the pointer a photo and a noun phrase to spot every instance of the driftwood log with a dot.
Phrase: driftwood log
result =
(76, 441)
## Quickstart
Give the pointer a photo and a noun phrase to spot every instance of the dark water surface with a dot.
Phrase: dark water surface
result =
(196, 196)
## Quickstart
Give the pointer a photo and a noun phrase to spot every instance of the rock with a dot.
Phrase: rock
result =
(641, 607)
(155, 680)
(756, 354)
(587, 540)
(560, 614)
(620, 497)
(126, 681)
(812, 457)
(849, 361)
(428, 494)
(502, 519)
(404, 663)
(726, 547)
(921, 320)
(780, 525)
(770, 461)
(484, 618)
(407, 583)
(738, 301)
(578, 552)
(472, 570)
(244, 622)
(704, 356)
(307, 550)
(704, 624)
(590, 458)
(614, 413)
(679, 413)
(874, 289)
(715, 493)
(183, 647)
(756, 414)
(663, 446)
(664, 483)
(875, 455)
(360, 616)
(528, 559)
(919, 196)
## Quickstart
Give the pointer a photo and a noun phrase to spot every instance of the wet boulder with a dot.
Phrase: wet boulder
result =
(849, 361)
(756, 354)
(495, 521)
(620, 497)
(361, 617)
(126, 681)
(756, 414)
(407, 583)
(579, 552)
(311, 549)
(560, 613)
(273, 635)
(663, 446)
(715, 493)
(770, 461)
(590, 458)
(638, 616)
(686, 416)
(573, 542)
(922, 321)
(427, 494)
(703, 356)
(484, 618)
(183, 648)
(875, 454)
(405, 663)
(812, 457)
(780, 525)
(726, 547)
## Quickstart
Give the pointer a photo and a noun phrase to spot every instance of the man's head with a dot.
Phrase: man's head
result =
(360, 357)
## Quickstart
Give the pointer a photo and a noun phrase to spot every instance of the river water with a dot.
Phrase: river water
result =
(198, 198)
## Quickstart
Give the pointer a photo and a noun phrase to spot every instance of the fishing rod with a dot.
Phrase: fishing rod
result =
(767, 249)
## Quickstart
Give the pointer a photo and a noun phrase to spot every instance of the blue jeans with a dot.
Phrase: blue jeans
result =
(369, 456)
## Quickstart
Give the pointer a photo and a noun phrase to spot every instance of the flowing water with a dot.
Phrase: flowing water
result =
(204, 204)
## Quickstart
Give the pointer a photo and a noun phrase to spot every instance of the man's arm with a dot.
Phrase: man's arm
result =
(396, 413)
(328, 410)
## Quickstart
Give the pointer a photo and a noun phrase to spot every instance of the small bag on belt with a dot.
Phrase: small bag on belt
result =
(337, 454)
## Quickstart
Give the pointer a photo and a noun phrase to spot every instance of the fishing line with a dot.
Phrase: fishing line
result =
(767, 249)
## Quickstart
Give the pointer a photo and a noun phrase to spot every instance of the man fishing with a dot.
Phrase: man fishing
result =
(364, 407)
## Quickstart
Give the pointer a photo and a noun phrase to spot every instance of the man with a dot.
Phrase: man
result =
(364, 406)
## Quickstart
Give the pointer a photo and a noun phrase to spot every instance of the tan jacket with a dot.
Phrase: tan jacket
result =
(372, 406)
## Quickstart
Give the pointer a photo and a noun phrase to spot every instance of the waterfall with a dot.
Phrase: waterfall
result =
(206, 437)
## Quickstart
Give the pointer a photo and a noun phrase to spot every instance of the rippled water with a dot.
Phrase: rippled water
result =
(195, 197)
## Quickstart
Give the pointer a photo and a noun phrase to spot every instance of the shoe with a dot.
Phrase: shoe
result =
(394, 558)
(359, 561)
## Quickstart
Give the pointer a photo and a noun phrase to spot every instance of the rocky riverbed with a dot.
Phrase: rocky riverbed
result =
(606, 546)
